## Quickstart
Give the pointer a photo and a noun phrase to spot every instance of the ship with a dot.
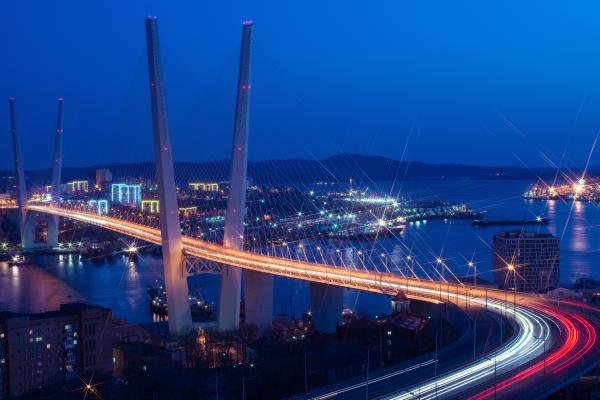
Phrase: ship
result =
(201, 310)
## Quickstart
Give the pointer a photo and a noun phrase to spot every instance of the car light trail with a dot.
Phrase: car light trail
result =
(374, 380)
(531, 315)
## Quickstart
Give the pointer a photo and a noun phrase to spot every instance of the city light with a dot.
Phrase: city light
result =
(521, 350)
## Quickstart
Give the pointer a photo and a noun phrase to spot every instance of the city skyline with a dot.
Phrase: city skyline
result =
(467, 83)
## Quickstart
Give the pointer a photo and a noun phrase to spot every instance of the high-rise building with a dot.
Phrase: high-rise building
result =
(44, 350)
(103, 176)
(527, 261)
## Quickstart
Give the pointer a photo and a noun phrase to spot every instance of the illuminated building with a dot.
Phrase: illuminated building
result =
(528, 261)
(77, 186)
(125, 193)
(103, 176)
(152, 206)
(99, 206)
(188, 210)
(41, 351)
(204, 186)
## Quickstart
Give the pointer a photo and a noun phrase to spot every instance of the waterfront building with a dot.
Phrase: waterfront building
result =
(77, 186)
(126, 194)
(45, 350)
(204, 186)
(527, 261)
(151, 206)
(99, 206)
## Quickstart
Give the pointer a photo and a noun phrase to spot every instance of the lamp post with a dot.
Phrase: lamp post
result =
(511, 268)
(473, 265)
(384, 257)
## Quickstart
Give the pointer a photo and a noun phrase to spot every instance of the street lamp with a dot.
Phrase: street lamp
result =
(383, 256)
(473, 265)
(511, 268)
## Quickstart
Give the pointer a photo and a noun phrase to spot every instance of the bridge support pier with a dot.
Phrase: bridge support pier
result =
(180, 318)
(28, 231)
(53, 221)
(258, 298)
(52, 237)
(326, 302)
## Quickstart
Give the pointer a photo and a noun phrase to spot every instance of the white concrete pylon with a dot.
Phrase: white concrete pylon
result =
(180, 319)
(258, 287)
(53, 222)
(26, 234)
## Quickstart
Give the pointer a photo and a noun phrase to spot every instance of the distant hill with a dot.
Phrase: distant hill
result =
(338, 168)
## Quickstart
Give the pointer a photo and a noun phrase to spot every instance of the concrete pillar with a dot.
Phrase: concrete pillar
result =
(258, 298)
(326, 302)
(258, 287)
(180, 318)
(53, 222)
(26, 234)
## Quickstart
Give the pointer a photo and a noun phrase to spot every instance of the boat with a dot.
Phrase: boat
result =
(18, 260)
(201, 310)
(511, 222)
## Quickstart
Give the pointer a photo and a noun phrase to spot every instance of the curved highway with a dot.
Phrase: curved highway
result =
(554, 344)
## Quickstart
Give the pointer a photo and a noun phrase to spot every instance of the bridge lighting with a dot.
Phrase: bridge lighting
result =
(408, 257)
(69, 245)
(538, 218)
(381, 222)
(510, 267)
(471, 264)
(4, 245)
(438, 260)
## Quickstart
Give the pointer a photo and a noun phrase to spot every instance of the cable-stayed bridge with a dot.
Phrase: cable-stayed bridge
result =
(553, 342)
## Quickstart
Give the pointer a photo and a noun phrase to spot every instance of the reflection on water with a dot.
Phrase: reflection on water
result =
(120, 283)
(57, 279)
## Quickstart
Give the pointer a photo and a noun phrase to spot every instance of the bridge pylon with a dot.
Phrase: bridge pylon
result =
(53, 222)
(258, 287)
(326, 302)
(25, 229)
(180, 319)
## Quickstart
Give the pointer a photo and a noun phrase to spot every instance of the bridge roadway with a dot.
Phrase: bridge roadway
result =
(555, 343)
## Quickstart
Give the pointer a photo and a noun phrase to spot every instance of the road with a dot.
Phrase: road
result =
(560, 339)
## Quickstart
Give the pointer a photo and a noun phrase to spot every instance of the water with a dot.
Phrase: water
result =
(121, 285)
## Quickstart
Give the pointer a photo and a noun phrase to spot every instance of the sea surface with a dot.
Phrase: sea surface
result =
(120, 284)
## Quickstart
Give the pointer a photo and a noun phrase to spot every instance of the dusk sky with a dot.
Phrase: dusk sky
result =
(490, 83)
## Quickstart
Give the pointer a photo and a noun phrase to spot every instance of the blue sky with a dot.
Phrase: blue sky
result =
(510, 82)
